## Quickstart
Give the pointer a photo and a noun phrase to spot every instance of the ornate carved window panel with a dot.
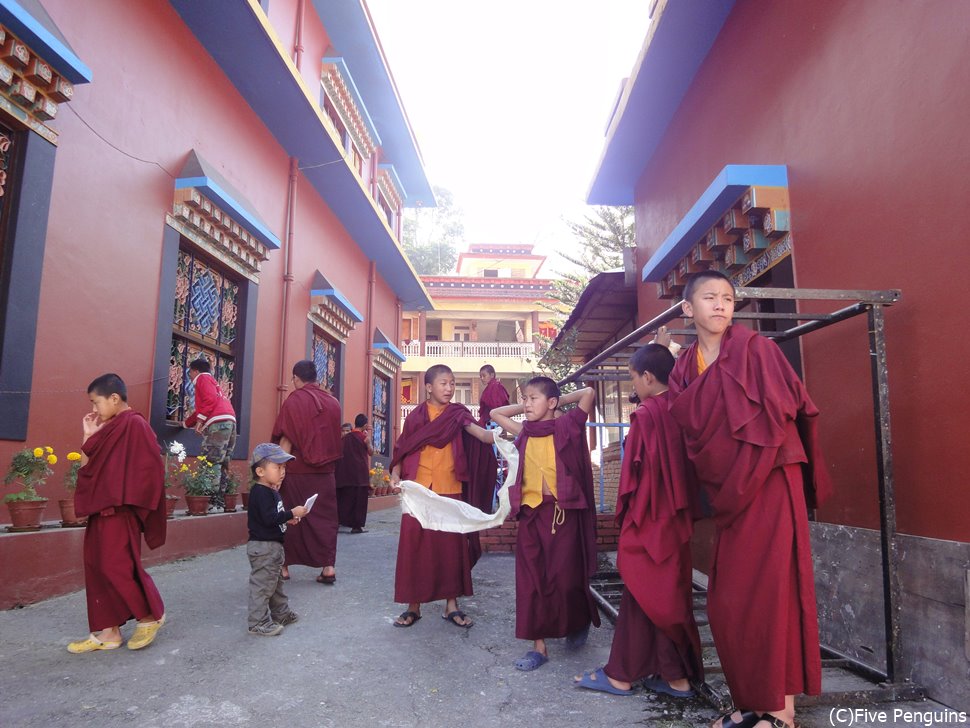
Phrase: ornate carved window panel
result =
(31, 90)
(346, 101)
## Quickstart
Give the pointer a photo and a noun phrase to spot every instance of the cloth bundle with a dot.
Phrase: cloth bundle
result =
(437, 513)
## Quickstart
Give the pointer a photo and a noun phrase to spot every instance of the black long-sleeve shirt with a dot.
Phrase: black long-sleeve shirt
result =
(267, 516)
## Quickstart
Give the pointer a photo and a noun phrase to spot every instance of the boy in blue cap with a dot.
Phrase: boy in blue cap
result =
(269, 609)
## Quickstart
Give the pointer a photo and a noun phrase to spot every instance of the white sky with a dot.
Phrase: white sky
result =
(509, 101)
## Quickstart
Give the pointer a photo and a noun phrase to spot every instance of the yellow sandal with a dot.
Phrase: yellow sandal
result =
(91, 644)
(145, 634)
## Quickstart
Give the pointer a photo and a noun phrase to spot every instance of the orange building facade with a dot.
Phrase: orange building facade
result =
(181, 179)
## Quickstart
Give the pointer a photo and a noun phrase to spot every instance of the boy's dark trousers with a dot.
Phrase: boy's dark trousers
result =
(267, 602)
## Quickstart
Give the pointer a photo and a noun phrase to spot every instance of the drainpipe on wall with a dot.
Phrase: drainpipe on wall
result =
(287, 276)
(369, 371)
(298, 47)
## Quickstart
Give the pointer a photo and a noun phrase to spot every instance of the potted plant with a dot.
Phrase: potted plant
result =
(201, 480)
(69, 518)
(29, 469)
(380, 481)
(245, 493)
(175, 469)
(232, 492)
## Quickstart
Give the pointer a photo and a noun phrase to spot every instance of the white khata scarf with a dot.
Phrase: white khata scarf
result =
(438, 513)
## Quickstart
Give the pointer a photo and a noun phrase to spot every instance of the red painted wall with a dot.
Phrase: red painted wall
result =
(866, 102)
(124, 138)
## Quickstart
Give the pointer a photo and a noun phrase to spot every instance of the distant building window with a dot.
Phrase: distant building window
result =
(388, 212)
(381, 414)
(205, 324)
(326, 355)
(358, 159)
(331, 111)
(490, 273)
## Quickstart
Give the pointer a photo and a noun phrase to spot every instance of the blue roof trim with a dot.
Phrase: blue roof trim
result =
(394, 178)
(352, 34)
(382, 342)
(341, 301)
(341, 65)
(233, 208)
(675, 48)
(723, 192)
(44, 41)
(238, 36)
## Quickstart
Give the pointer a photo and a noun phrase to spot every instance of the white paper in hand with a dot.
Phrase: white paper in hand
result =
(309, 501)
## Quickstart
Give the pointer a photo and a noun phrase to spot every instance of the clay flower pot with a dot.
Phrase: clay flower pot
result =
(69, 518)
(198, 505)
(170, 502)
(232, 501)
(245, 499)
(26, 515)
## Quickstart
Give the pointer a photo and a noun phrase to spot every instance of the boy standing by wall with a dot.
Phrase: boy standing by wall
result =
(656, 634)
(215, 419)
(750, 432)
(120, 487)
(269, 609)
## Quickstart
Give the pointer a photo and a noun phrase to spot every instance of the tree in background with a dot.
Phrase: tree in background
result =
(601, 236)
(431, 235)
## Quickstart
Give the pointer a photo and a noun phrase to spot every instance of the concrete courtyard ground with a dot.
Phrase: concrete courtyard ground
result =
(341, 665)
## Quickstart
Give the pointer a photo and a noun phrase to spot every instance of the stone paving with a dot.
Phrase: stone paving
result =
(342, 664)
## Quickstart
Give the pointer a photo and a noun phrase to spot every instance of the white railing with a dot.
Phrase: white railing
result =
(472, 349)
(407, 409)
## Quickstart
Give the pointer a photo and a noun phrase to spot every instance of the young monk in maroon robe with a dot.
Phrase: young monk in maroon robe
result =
(555, 549)
(308, 428)
(493, 394)
(120, 488)
(353, 476)
(749, 429)
(435, 565)
(656, 634)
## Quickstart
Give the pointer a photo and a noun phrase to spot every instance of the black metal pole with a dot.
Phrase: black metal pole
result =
(887, 496)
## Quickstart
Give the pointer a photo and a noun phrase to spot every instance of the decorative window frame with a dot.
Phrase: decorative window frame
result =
(340, 88)
(335, 316)
(720, 230)
(32, 84)
(38, 71)
(209, 215)
(387, 361)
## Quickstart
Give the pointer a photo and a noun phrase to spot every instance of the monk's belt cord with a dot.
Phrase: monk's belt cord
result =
(558, 517)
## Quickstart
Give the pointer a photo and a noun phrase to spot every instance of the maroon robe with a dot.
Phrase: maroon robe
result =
(552, 570)
(750, 432)
(353, 480)
(310, 420)
(493, 397)
(433, 565)
(656, 633)
(482, 457)
(121, 489)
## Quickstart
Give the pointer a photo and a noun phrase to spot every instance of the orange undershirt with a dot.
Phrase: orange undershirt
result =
(436, 465)
(701, 364)
(540, 465)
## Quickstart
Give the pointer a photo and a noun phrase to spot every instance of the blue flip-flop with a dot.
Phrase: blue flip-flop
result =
(659, 685)
(530, 661)
(597, 680)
